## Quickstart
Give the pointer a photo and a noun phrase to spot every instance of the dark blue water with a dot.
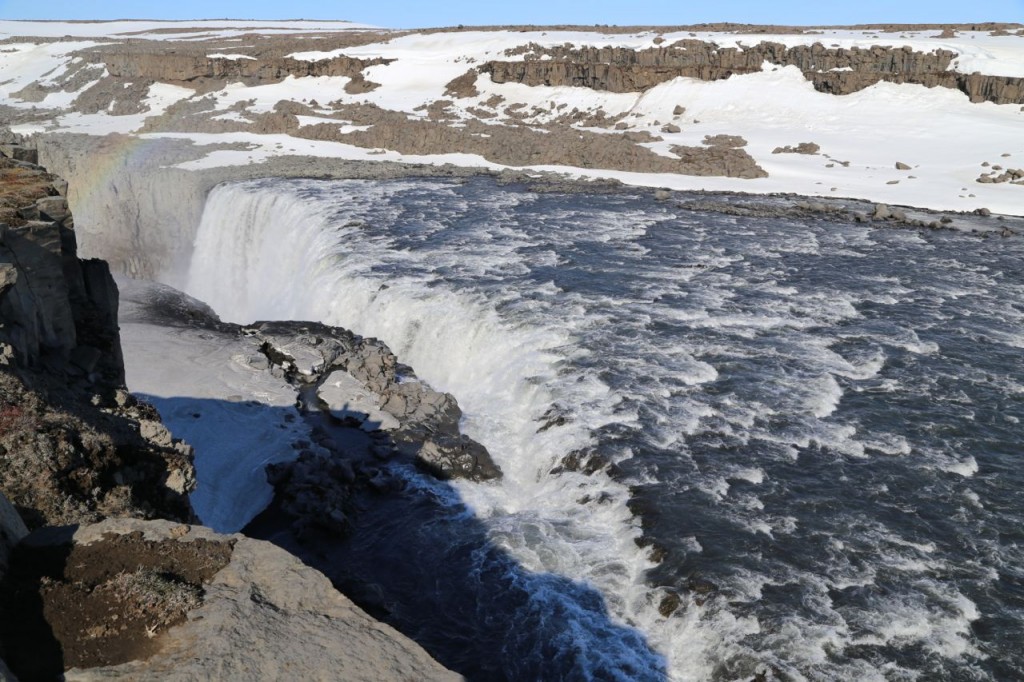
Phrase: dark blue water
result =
(813, 424)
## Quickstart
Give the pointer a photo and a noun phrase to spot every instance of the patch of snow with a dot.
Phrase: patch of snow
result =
(22, 64)
(290, 89)
(264, 147)
(237, 417)
(230, 56)
(159, 97)
(344, 126)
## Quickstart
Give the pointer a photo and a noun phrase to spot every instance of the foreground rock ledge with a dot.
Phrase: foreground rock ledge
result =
(264, 616)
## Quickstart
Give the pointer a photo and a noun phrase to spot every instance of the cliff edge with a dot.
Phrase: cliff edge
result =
(115, 581)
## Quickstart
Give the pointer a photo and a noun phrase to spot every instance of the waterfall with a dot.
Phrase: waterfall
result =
(271, 249)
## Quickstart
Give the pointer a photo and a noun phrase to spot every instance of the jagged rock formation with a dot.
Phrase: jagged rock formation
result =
(195, 605)
(838, 71)
(423, 423)
(343, 378)
(53, 304)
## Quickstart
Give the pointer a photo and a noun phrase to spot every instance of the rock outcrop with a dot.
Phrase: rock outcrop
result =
(193, 605)
(157, 65)
(839, 71)
(359, 380)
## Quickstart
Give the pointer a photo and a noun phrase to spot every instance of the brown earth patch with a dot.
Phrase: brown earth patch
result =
(463, 86)
(525, 146)
(82, 606)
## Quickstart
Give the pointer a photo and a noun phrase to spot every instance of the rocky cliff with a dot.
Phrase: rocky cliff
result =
(76, 446)
(101, 590)
(838, 71)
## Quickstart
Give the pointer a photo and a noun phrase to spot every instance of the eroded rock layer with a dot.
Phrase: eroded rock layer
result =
(838, 71)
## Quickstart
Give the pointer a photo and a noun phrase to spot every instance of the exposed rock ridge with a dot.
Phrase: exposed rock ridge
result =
(838, 71)
(523, 146)
(157, 65)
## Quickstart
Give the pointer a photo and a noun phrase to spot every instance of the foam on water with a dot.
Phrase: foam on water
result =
(797, 406)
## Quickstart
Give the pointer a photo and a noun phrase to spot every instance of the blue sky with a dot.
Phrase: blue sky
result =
(417, 13)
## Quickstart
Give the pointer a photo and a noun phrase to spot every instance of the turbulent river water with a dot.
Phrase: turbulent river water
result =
(816, 423)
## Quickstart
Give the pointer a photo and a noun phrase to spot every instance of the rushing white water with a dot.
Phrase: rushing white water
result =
(781, 402)
(265, 254)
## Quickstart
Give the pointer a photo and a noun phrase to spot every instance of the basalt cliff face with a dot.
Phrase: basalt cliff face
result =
(103, 572)
(838, 71)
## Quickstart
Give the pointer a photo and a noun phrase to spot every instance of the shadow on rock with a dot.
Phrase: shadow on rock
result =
(405, 547)
(27, 640)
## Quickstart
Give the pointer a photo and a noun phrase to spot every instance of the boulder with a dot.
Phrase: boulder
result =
(902, 166)
(8, 277)
(53, 209)
(19, 153)
(448, 456)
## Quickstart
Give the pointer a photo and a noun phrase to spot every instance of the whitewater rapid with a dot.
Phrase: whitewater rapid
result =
(760, 392)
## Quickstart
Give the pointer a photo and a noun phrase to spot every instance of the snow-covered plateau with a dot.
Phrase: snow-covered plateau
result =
(904, 130)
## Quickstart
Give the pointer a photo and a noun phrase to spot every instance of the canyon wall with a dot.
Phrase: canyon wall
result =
(838, 71)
